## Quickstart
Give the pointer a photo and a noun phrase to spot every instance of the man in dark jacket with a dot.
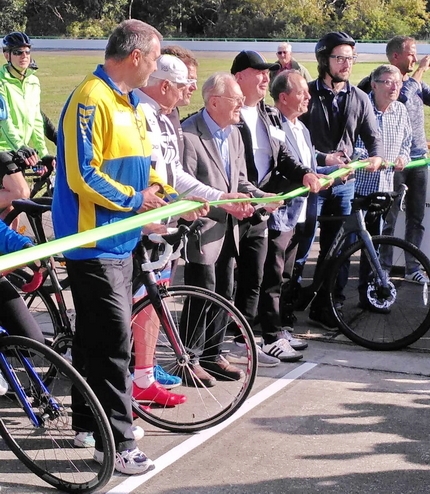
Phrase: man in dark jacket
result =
(271, 168)
(338, 114)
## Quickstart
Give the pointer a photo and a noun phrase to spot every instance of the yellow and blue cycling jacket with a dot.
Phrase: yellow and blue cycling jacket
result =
(103, 164)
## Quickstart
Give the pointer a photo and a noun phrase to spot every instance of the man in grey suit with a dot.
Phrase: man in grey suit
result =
(291, 227)
(214, 154)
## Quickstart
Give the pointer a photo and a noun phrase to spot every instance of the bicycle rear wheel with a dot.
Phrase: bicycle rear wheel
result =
(205, 407)
(47, 448)
(381, 318)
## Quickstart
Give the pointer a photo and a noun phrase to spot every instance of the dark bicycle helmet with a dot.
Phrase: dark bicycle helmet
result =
(14, 40)
(329, 41)
(325, 46)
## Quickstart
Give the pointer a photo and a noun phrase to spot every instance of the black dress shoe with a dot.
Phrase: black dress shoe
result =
(222, 370)
(193, 375)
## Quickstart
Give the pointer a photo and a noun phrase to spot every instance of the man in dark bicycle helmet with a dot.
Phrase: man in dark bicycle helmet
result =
(22, 141)
(338, 114)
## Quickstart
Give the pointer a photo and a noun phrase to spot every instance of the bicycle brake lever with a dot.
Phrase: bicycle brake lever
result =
(185, 245)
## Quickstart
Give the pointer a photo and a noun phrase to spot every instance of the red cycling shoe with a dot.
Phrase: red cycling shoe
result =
(157, 394)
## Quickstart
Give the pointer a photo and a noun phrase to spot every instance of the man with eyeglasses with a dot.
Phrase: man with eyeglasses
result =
(270, 167)
(338, 114)
(21, 123)
(214, 154)
(396, 132)
(287, 62)
(401, 52)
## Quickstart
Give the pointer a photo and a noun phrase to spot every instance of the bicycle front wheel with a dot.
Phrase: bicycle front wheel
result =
(39, 428)
(192, 308)
(378, 317)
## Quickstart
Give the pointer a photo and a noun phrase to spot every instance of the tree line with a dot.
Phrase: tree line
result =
(257, 19)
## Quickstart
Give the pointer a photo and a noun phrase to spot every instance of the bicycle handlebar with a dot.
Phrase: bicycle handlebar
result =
(175, 236)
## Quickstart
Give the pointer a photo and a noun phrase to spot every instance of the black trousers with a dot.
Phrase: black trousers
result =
(101, 290)
(277, 264)
(250, 267)
(14, 315)
(203, 335)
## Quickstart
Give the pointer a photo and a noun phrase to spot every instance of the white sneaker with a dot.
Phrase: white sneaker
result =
(86, 439)
(3, 385)
(239, 355)
(282, 350)
(417, 277)
(130, 461)
(294, 342)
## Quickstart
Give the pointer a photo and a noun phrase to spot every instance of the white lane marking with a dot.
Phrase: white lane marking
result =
(132, 483)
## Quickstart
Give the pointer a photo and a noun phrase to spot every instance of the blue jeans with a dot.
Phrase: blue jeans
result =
(416, 180)
(335, 201)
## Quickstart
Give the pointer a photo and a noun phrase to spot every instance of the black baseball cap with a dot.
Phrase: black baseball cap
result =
(250, 59)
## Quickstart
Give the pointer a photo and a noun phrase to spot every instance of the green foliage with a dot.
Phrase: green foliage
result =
(91, 28)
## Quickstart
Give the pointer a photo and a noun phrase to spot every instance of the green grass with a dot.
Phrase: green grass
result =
(61, 72)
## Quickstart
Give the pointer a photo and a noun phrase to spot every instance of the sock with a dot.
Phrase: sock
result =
(143, 377)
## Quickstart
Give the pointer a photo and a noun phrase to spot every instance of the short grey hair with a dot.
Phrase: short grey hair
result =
(130, 35)
(216, 84)
(384, 69)
(286, 46)
(397, 45)
(281, 83)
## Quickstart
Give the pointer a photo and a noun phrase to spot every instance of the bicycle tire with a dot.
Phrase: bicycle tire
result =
(205, 407)
(385, 320)
(47, 449)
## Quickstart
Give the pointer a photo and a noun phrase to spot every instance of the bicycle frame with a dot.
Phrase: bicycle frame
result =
(12, 379)
(351, 224)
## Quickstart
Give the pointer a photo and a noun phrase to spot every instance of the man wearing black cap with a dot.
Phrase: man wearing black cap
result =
(338, 114)
(268, 162)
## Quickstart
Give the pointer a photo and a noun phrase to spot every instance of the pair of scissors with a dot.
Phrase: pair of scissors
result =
(171, 199)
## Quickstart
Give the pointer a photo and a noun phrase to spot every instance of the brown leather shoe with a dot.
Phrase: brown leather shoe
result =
(222, 370)
(194, 375)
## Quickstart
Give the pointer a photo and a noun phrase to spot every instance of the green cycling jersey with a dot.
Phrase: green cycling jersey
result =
(21, 122)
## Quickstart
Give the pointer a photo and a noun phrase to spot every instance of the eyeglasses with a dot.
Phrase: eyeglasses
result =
(341, 59)
(282, 52)
(19, 53)
(240, 100)
(388, 83)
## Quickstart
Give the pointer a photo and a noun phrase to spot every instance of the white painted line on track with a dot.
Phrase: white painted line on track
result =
(132, 483)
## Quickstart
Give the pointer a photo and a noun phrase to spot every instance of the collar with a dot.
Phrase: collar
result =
(213, 126)
(321, 86)
(101, 74)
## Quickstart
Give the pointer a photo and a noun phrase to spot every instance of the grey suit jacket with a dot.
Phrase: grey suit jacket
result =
(202, 159)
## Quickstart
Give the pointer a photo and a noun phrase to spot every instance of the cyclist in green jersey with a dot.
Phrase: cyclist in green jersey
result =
(22, 141)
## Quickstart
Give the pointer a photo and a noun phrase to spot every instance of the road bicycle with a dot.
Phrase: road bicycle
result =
(204, 407)
(52, 314)
(379, 309)
(172, 315)
(36, 419)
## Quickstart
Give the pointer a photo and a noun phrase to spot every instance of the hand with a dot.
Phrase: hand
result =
(150, 199)
(239, 210)
(325, 177)
(399, 164)
(375, 163)
(311, 180)
(424, 63)
(337, 158)
(28, 155)
(159, 228)
(272, 206)
(203, 210)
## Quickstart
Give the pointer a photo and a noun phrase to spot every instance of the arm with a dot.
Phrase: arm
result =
(38, 133)
(423, 67)
(8, 129)
(369, 131)
(10, 240)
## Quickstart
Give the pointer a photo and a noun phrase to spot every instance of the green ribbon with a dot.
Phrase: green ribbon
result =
(64, 244)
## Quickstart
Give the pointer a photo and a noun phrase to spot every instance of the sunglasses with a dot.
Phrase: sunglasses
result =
(282, 52)
(19, 53)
